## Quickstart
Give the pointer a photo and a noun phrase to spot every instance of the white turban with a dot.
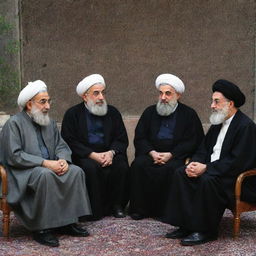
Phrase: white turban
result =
(172, 80)
(89, 81)
(28, 92)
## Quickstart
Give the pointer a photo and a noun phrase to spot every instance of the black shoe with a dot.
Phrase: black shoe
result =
(178, 233)
(137, 216)
(198, 238)
(46, 237)
(73, 230)
(118, 212)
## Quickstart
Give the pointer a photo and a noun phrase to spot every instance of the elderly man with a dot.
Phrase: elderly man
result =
(200, 192)
(167, 133)
(97, 137)
(46, 192)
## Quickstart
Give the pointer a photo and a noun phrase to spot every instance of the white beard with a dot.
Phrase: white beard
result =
(95, 109)
(165, 109)
(219, 116)
(39, 117)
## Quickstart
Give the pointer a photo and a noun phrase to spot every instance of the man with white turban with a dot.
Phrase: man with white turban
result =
(46, 192)
(166, 134)
(97, 137)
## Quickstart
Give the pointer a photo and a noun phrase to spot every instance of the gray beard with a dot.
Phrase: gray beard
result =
(97, 110)
(39, 117)
(219, 116)
(165, 109)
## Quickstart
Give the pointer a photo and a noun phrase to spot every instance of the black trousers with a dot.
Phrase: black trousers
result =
(107, 186)
(149, 185)
(197, 204)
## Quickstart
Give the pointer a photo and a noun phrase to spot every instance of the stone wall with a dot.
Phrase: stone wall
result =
(9, 54)
(130, 42)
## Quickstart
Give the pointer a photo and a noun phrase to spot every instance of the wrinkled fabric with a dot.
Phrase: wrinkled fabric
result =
(40, 198)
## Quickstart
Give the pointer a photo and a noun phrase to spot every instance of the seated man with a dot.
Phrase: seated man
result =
(167, 133)
(46, 192)
(200, 192)
(97, 137)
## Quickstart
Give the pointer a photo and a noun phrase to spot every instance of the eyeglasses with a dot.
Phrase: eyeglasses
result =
(44, 101)
(167, 93)
(97, 93)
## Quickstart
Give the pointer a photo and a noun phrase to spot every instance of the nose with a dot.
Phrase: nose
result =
(163, 96)
(213, 105)
(100, 96)
(47, 105)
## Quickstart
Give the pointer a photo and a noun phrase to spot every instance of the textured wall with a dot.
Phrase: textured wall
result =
(130, 42)
(9, 55)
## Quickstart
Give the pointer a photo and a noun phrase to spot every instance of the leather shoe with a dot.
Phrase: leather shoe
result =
(178, 233)
(46, 237)
(118, 212)
(137, 216)
(198, 238)
(73, 230)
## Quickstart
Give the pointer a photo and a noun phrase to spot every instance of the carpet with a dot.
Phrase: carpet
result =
(127, 237)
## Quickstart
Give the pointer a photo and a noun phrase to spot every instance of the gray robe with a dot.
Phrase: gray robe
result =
(40, 198)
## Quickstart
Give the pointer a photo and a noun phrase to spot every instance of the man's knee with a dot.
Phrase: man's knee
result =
(140, 162)
(76, 169)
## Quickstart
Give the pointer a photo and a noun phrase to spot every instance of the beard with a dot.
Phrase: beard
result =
(219, 116)
(39, 117)
(96, 109)
(165, 109)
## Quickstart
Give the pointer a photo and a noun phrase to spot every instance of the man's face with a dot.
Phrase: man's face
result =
(219, 102)
(96, 94)
(167, 93)
(41, 102)
(38, 108)
(221, 108)
(95, 100)
(167, 101)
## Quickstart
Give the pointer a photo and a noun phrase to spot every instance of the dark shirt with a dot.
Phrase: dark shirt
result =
(42, 146)
(95, 129)
(167, 126)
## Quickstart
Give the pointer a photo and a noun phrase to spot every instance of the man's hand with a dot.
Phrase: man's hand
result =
(195, 169)
(60, 166)
(103, 158)
(160, 158)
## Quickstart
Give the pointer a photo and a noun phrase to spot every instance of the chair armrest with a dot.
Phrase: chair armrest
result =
(240, 180)
(3, 176)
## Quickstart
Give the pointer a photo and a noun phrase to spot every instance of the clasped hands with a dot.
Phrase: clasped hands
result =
(60, 166)
(103, 158)
(195, 169)
(160, 158)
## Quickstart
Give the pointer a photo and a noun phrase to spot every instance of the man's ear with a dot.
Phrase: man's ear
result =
(232, 103)
(84, 97)
(29, 105)
(178, 95)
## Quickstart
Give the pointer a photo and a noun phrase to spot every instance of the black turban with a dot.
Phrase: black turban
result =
(230, 91)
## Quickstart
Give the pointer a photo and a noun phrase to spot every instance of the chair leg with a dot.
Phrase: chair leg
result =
(6, 223)
(236, 225)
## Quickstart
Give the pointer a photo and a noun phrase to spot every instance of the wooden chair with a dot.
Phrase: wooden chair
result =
(4, 207)
(241, 206)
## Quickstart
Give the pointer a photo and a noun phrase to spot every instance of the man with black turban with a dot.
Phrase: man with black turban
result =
(202, 190)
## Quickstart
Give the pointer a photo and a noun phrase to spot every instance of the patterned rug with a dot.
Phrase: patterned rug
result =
(126, 237)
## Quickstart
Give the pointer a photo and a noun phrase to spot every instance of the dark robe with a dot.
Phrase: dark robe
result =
(148, 180)
(197, 204)
(106, 186)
